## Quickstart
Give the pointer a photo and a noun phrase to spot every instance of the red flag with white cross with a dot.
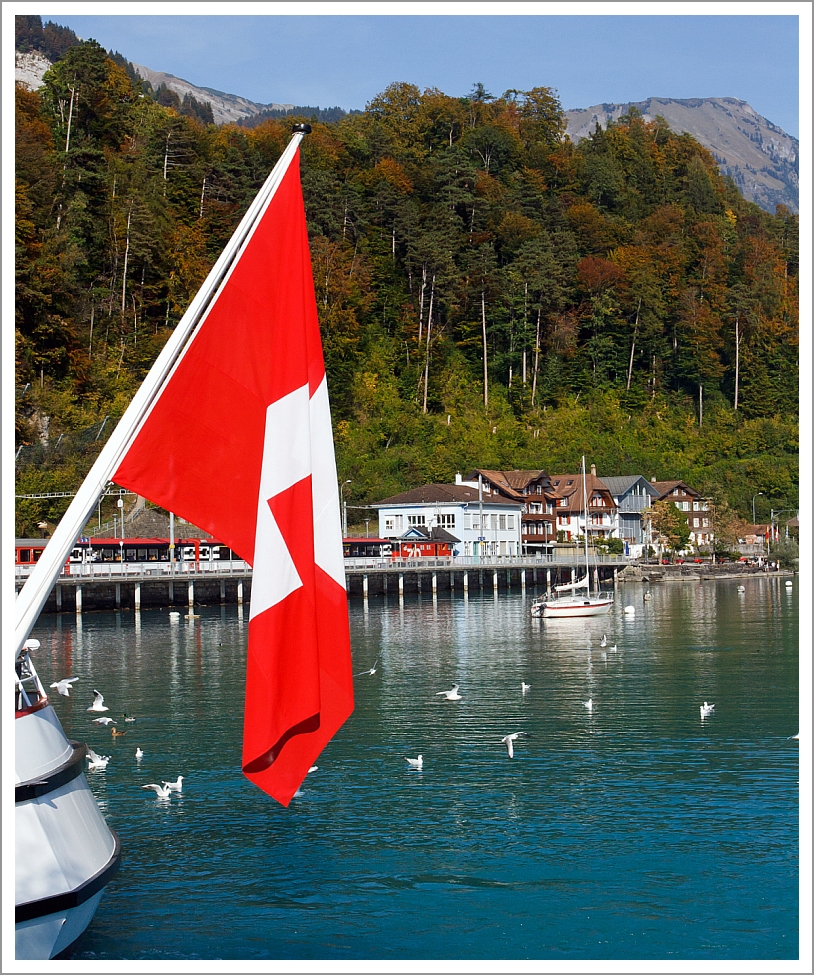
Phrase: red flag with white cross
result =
(239, 443)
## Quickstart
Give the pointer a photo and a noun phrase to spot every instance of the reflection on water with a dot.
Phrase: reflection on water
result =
(633, 830)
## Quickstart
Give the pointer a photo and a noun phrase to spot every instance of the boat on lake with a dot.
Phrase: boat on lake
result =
(568, 599)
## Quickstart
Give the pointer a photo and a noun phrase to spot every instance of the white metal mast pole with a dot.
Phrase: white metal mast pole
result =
(585, 506)
(39, 584)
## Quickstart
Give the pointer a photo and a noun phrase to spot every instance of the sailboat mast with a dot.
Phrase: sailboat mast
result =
(39, 584)
(585, 508)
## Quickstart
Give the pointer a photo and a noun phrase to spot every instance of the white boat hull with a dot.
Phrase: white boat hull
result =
(65, 853)
(560, 608)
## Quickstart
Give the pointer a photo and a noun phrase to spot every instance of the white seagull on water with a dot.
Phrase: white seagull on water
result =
(417, 763)
(139, 753)
(452, 695)
(97, 761)
(366, 673)
(161, 791)
(604, 641)
(509, 740)
(98, 703)
(105, 721)
(589, 704)
(64, 686)
(524, 687)
(175, 786)
(706, 710)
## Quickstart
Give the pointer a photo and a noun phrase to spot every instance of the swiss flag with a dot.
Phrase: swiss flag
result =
(239, 443)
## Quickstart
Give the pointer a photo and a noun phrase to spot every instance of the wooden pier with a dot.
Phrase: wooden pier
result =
(138, 586)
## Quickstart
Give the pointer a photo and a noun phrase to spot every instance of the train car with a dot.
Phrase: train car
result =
(414, 548)
(27, 551)
(366, 548)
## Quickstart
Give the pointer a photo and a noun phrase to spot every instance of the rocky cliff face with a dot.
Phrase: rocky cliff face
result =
(760, 157)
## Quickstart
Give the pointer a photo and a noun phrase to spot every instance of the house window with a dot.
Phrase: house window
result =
(562, 502)
(393, 523)
(467, 522)
(416, 521)
(494, 523)
(511, 522)
(446, 521)
(696, 522)
(539, 488)
(503, 523)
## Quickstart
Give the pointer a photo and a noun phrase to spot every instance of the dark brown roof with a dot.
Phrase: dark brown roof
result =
(570, 486)
(665, 487)
(442, 494)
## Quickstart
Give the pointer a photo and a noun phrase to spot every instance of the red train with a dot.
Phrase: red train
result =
(27, 551)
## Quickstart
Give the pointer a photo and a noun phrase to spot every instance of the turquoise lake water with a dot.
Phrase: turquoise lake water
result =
(634, 830)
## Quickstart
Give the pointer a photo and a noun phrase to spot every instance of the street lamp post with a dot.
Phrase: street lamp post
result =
(344, 508)
(754, 521)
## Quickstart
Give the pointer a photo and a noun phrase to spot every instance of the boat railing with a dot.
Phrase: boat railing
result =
(28, 688)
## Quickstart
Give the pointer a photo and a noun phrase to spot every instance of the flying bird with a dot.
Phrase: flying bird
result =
(161, 791)
(139, 753)
(98, 703)
(64, 686)
(105, 721)
(366, 673)
(452, 695)
(509, 740)
(97, 761)
(525, 688)
(175, 786)
(417, 763)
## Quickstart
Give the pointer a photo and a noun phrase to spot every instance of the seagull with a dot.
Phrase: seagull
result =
(604, 641)
(64, 686)
(97, 761)
(417, 763)
(370, 672)
(98, 703)
(175, 786)
(105, 721)
(525, 688)
(706, 710)
(588, 704)
(452, 695)
(161, 791)
(614, 648)
(508, 742)
(139, 753)
(314, 768)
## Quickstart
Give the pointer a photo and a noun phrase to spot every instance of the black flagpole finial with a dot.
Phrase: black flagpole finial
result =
(302, 127)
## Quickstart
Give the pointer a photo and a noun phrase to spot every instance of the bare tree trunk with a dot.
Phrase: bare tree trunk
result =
(90, 341)
(485, 356)
(633, 345)
(737, 359)
(427, 354)
(126, 255)
(421, 302)
(70, 119)
(536, 358)
(203, 193)
(700, 405)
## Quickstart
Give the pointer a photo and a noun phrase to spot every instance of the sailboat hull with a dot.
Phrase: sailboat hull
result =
(65, 853)
(560, 608)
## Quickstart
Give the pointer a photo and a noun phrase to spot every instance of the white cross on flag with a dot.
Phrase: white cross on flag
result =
(239, 443)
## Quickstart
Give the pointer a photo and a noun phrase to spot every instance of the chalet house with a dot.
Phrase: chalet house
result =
(633, 495)
(530, 488)
(485, 525)
(690, 502)
(600, 520)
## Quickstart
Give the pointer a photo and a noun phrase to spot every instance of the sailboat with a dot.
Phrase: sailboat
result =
(65, 851)
(574, 598)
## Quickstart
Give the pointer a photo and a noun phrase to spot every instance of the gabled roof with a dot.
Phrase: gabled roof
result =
(512, 483)
(621, 485)
(569, 486)
(434, 535)
(667, 487)
(442, 494)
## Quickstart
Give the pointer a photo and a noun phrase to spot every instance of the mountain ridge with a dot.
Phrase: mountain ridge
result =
(758, 155)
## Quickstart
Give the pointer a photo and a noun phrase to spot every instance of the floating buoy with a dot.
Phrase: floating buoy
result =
(630, 610)
(788, 583)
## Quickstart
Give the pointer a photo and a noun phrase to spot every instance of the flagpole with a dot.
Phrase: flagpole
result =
(38, 586)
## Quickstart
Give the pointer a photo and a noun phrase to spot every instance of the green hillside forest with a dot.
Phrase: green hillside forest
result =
(490, 295)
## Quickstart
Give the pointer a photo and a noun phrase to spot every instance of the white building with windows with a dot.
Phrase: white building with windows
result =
(483, 525)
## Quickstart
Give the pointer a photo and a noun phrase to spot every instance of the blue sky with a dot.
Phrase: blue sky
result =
(345, 60)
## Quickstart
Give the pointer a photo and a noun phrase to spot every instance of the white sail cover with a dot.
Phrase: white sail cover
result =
(567, 586)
